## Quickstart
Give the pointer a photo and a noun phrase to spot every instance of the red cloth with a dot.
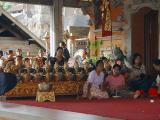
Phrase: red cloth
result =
(139, 92)
(126, 109)
(153, 92)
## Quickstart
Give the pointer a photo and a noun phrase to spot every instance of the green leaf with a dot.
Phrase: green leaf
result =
(92, 45)
(101, 42)
(94, 59)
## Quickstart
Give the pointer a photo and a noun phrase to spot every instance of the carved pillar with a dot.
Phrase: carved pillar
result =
(56, 32)
(127, 46)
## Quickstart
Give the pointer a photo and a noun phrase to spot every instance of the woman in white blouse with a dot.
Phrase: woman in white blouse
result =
(93, 86)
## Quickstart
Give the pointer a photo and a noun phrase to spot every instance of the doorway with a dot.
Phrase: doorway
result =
(145, 36)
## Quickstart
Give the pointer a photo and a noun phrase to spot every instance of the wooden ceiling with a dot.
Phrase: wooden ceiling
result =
(67, 3)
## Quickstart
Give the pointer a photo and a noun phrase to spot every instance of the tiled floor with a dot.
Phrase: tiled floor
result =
(10, 111)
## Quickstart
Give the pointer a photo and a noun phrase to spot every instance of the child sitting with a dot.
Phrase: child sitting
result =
(115, 81)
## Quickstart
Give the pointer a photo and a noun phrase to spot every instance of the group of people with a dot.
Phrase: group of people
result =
(106, 78)
(15, 59)
(119, 80)
(15, 67)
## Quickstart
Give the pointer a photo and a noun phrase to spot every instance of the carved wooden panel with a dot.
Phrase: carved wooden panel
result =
(60, 88)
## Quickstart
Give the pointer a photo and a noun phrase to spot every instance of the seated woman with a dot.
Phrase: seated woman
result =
(137, 67)
(27, 63)
(9, 63)
(66, 54)
(93, 86)
(10, 56)
(40, 59)
(19, 52)
(57, 64)
(121, 63)
(19, 62)
(124, 69)
(138, 80)
(115, 81)
(58, 59)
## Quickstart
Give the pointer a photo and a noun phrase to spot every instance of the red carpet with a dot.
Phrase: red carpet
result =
(128, 109)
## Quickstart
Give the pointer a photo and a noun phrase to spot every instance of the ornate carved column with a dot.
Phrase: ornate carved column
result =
(56, 32)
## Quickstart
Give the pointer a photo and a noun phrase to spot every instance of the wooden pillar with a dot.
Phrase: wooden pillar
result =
(56, 31)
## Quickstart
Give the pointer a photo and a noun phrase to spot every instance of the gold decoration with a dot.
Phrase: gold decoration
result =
(46, 38)
(60, 88)
(106, 18)
(44, 96)
(106, 15)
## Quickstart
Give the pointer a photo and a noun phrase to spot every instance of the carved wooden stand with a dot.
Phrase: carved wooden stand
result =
(44, 96)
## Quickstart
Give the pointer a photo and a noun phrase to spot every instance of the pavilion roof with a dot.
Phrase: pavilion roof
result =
(8, 22)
